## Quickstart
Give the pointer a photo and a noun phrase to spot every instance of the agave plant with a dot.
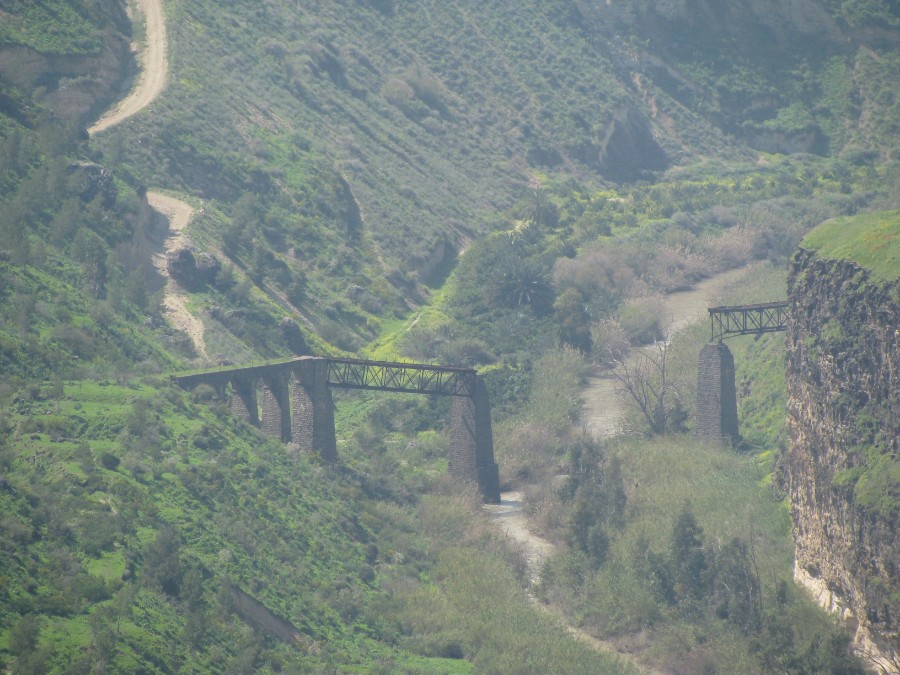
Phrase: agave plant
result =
(523, 283)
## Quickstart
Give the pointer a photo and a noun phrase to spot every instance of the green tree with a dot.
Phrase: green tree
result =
(89, 250)
(539, 210)
(586, 530)
(598, 499)
(616, 497)
(573, 320)
(737, 592)
(246, 222)
(689, 561)
(162, 562)
(23, 637)
(136, 288)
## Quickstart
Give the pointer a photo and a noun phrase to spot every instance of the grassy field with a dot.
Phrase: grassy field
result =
(872, 240)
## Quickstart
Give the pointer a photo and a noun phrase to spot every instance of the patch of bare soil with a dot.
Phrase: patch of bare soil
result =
(509, 516)
(179, 215)
(536, 550)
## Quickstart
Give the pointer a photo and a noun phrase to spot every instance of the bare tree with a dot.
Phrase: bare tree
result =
(646, 383)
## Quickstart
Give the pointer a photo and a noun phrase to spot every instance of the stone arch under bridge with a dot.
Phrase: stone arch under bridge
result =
(292, 401)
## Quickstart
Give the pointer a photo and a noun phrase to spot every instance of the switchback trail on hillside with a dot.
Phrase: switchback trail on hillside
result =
(154, 65)
(602, 415)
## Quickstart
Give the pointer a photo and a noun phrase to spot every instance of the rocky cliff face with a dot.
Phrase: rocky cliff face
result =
(841, 469)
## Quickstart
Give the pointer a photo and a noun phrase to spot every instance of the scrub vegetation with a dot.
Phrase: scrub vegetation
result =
(512, 186)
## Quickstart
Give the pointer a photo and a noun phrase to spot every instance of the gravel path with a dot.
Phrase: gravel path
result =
(175, 299)
(153, 68)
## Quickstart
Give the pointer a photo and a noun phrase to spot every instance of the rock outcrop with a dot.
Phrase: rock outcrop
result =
(841, 470)
(192, 268)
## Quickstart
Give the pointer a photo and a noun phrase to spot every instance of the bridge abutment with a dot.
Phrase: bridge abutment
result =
(716, 395)
(472, 442)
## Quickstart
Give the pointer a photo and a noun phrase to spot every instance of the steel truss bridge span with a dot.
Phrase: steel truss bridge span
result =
(768, 317)
(404, 378)
(717, 417)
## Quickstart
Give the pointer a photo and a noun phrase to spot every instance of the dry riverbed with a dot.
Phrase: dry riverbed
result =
(602, 415)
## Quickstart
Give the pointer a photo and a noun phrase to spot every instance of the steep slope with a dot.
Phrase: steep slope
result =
(841, 468)
(154, 69)
(345, 152)
(76, 53)
(385, 136)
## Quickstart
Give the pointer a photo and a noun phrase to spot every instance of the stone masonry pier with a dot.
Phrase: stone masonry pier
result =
(292, 401)
(717, 417)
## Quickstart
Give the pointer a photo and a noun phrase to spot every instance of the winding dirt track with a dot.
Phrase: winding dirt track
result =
(179, 214)
(154, 68)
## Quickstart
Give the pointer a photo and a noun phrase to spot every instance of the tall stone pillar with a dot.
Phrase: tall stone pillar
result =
(472, 441)
(243, 399)
(276, 407)
(716, 397)
(312, 414)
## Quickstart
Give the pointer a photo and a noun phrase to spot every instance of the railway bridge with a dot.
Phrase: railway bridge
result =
(292, 401)
(716, 393)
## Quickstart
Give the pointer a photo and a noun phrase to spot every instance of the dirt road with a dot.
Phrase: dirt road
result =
(153, 68)
(175, 300)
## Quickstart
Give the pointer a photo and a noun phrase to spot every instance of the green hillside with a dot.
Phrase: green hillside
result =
(507, 185)
(872, 240)
(53, 27)
(341, 140)
(145, 530)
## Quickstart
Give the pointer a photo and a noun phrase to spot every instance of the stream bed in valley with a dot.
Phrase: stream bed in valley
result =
(602, 414)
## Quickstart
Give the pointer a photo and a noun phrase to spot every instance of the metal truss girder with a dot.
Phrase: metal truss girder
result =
(768, 317)
(408, 378)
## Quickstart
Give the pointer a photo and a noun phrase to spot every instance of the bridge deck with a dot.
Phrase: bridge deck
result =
(767, 317)
(346, 373)
(411, 378)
